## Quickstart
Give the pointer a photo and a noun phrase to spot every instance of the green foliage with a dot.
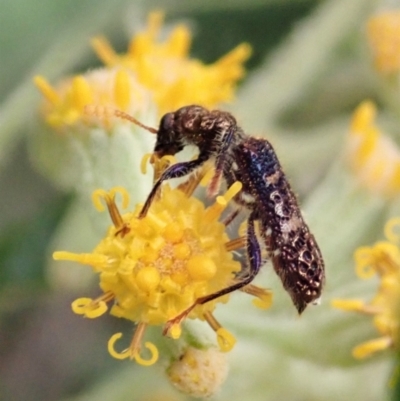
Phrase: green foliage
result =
(24, 245)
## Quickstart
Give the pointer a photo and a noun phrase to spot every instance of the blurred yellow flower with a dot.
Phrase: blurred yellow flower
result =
(373, 156)
(383, 32)
(151, 73)
(165, 69)
(382, 259)
(106, 89)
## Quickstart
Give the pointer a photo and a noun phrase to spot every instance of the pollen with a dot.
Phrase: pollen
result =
(382, 260)
(373, 156)
(383, 32)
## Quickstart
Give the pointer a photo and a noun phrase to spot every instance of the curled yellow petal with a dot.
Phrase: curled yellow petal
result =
(100, 308)
(143, 163)
(168, 159)
(392, 230)
(80, 304)
(364, 258)
(110, 346)
(89, 308)
(225, 339)
(153, 358)
(160, 165)
(97, 197)
(124, 195)
(100, 195)
(365, 271)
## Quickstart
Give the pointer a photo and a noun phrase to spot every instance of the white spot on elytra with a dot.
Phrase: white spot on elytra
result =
(293, 224)
(247, 197)
(272, 178)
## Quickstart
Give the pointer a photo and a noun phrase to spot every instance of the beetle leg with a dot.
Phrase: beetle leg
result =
(255, 262)
(175, 171)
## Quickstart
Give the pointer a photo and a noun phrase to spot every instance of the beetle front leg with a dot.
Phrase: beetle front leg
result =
(175, 171)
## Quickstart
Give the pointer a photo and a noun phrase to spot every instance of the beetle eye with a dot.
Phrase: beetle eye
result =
(167, 122)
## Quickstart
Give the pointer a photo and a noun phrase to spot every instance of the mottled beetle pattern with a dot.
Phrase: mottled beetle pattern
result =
(266, 195)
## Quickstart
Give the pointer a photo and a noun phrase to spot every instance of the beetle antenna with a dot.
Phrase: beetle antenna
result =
(126, 116)
(108, 112)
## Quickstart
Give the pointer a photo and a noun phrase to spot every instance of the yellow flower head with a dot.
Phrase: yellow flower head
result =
(374, 157)
(150, 73)
(113, 89)
(384, 38)
(382, 259)
(165, 69)
(155, 267)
